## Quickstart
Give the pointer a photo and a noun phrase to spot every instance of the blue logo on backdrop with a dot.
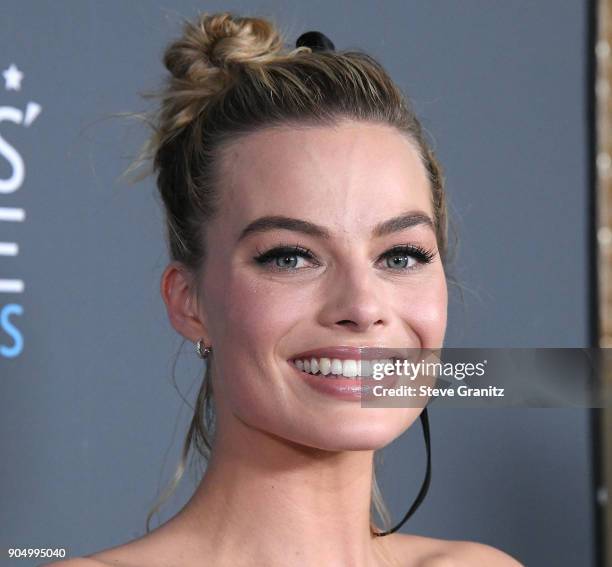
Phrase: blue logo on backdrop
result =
(12, 346)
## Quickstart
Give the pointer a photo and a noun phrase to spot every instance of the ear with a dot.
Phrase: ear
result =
(178, 293)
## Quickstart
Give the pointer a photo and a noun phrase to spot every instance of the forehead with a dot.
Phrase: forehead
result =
(344, 176)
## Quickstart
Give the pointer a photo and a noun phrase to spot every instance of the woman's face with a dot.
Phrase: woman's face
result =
(259, 314)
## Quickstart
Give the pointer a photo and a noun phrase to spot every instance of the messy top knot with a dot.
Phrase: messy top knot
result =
(202, 63)
(231, 76)
(218, 42)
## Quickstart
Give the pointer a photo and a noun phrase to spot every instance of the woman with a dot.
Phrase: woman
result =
(306, 219)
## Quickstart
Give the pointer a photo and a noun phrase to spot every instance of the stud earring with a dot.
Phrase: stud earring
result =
(203, 351)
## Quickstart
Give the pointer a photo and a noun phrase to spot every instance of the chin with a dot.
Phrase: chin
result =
(368, 434)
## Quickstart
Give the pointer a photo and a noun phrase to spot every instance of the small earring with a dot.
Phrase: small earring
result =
(203, 352)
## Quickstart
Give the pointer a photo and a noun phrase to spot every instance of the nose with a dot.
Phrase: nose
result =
(355, 301)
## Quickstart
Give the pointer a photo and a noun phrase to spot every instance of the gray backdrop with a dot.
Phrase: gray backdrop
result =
(90, 422)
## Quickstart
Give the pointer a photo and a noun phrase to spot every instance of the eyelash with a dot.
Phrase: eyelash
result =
(422, 255)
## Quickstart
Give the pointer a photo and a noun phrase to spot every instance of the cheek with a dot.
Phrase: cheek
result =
(250, 314)
(258, 313)
(428, 312)
(246, 320)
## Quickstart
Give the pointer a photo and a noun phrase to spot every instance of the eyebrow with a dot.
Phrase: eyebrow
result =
(275, 222)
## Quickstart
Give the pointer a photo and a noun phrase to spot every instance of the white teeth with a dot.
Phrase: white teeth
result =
(349, 368)
(336, 366)
(325, 366)
(314, 366)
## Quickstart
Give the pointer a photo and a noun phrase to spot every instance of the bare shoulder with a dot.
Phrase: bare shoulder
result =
(432, 552)
(160, 547)
(155, 549)
(473, 553)
(120, 556)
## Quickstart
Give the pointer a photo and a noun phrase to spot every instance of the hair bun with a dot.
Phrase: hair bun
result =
(218, 41)
(317, 41)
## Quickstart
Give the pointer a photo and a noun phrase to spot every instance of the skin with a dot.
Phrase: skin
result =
(289, 481)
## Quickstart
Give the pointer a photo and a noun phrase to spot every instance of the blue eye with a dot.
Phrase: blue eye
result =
(405, 252)
(284, 258)
(402, 261)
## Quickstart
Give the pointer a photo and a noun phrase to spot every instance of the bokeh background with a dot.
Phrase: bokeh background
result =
(91, 424)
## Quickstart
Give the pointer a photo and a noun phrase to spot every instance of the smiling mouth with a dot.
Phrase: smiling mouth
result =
(339, 369)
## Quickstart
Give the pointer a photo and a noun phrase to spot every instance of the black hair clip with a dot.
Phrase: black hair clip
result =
(317, 41)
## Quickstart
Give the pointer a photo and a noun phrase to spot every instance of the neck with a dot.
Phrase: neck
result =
(264, 500)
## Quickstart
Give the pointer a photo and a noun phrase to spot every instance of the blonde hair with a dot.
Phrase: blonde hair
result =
(231, 76)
